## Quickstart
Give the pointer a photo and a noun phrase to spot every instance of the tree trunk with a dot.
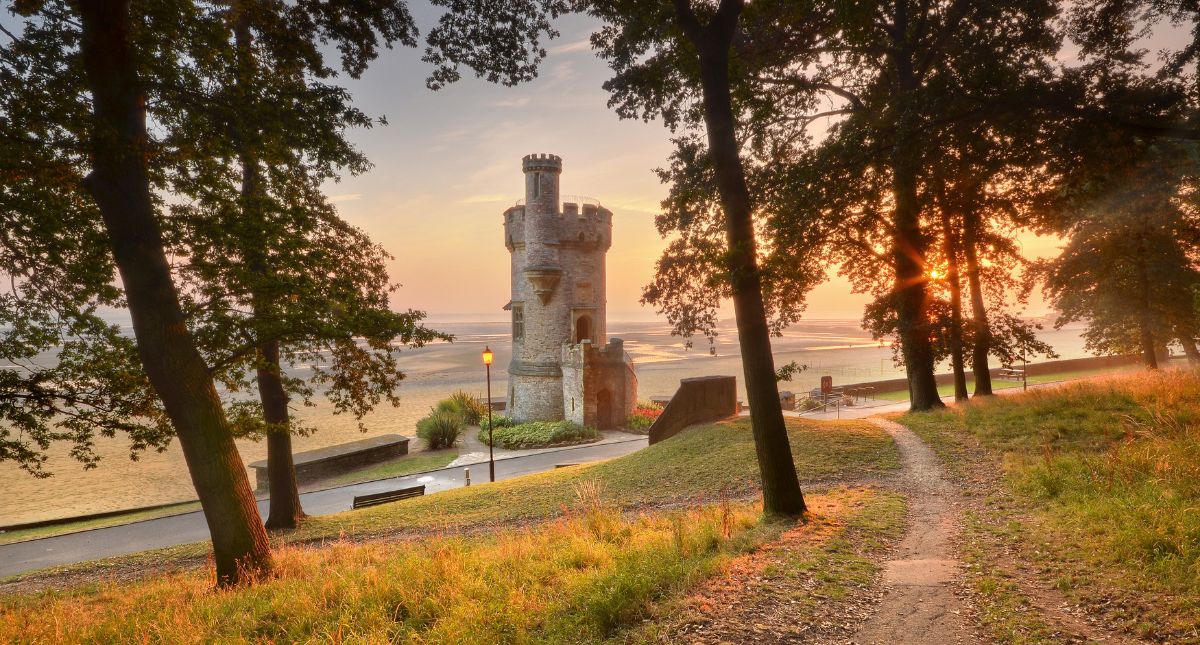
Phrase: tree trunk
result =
(908, 243)
(1145, 314)
(285, 511)
(956, 335)
(1189, 348)
(781, 489)
(979, 318)
(120, 184)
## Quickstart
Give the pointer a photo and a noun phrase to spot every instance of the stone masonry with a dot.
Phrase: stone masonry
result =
(563, 365)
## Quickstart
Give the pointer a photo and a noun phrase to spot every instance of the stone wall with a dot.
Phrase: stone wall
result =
(698, 400)
(590, 374)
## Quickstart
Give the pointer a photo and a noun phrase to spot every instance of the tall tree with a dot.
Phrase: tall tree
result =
(694, 43)
(119, 181)
(1131, 263)
(272, 274)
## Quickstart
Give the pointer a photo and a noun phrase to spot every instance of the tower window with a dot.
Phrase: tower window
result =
(518, 322)
(583, 329)
(537, 185)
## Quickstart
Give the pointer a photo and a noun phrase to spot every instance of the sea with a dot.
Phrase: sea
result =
(837, 348)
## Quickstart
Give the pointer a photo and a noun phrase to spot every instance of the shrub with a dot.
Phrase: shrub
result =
(440, 428)
(808, 403)
(539, 434)
(500, 421)
(466, 405)
(643, 417)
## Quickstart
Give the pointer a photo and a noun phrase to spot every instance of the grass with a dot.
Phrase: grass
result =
(947, 389)
(578, 579)
(702, 463)
(1106, 477)
(835, 558)
(407, 465)
(606, 547)
(538, 434)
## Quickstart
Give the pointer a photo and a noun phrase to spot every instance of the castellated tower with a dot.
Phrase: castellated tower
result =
(561, 357)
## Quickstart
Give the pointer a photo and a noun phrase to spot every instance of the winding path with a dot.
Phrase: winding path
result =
(919, 604)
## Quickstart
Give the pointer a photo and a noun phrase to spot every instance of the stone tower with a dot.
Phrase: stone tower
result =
(558, 301)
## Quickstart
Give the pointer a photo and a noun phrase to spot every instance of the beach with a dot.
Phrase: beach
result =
(838, 348)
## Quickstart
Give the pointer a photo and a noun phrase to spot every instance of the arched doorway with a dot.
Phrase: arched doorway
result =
(604, 410)
(583, 329)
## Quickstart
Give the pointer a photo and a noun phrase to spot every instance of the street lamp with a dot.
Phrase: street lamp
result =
(487, 363)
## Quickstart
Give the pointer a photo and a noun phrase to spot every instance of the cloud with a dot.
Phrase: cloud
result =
(348, 197)
(576, 46)
(512, 103)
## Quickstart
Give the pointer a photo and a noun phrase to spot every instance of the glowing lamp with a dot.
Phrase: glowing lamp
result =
(487, 356)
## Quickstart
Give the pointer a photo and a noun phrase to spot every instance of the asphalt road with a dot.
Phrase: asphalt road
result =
(190, 527)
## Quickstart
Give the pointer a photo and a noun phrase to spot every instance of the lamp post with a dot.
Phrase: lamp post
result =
(487, 363)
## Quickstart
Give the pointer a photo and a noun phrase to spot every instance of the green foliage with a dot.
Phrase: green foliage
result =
(440, 428)
(472, 410)
(498, 421)
(539, 434)
(1131, 264)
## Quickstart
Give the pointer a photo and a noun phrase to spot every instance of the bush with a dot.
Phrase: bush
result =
(500, 421)
(539, 434)
(644, 416)
(468, 406)
(440, 428)
(808, 403)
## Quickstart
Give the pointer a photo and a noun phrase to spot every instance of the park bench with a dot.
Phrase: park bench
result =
(375, 499)
(1009, 374)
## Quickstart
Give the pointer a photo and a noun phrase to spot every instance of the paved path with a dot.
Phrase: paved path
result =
(191, 527)
(919, 604)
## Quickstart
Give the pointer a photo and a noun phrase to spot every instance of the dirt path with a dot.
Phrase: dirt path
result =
(919, 603)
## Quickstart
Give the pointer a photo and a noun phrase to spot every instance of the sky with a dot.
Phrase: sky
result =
(449, 163)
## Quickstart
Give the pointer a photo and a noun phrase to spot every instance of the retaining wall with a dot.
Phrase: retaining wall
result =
(698, 400)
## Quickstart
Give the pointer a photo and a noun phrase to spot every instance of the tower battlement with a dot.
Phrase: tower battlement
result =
(547, 162)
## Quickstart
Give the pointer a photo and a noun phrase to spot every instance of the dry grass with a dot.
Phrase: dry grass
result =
(1106, 479)
(577, 579)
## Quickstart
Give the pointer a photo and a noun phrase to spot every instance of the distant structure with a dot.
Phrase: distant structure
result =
(563, 365)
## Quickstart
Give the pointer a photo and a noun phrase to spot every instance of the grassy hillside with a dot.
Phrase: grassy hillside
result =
(583, 568)
(1101, 488)
(703, 464)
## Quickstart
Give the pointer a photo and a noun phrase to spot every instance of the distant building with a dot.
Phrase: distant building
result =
(563, 365)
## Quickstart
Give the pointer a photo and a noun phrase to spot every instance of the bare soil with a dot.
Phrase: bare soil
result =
(920, 603)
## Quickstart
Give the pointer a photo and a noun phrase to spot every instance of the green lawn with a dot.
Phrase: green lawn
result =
(581, 554)
(1106, 478)
(998, 384)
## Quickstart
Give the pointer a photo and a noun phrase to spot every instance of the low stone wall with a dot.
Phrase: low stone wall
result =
(1033, 369)
(698, 400)
(317, 464)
